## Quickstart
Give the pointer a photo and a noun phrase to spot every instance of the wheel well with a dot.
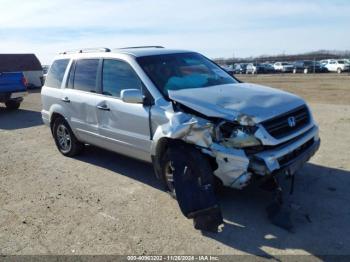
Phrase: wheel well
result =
(164, 143)
(53, 119)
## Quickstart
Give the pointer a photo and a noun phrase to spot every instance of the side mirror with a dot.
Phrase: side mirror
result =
(133, 96)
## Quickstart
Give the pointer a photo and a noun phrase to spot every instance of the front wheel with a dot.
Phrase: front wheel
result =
(182, 158)
(66, 141)
(12, 105)
(190, 174)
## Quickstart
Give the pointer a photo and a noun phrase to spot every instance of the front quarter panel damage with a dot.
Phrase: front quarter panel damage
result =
(232, 163)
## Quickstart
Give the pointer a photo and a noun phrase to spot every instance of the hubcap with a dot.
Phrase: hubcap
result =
(63, 138)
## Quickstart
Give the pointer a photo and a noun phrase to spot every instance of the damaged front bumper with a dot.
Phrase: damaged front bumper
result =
(286, 158)
(236, 166)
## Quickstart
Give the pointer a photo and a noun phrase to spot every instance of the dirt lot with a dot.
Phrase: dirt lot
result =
(317, 88)
(104, 203)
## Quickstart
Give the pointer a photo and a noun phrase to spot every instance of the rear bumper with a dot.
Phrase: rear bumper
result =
(18, 96)
(287, 69)
(45, 115)
(287, 158)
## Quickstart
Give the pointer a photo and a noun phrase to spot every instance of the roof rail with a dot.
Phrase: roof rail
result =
(86, 50)
(146, 46)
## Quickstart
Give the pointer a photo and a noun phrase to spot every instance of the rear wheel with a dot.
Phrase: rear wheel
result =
(12, 105)
(66, 141)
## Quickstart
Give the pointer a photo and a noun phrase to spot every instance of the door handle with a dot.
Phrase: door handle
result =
(103, 107)
(66, 100)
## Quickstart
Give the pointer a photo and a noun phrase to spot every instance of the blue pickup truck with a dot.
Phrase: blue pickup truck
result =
(13, 87)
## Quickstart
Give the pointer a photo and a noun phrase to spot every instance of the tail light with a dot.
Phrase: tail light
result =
(24, 81)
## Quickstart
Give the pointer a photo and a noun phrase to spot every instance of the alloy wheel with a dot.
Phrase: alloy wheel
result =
(63, 138)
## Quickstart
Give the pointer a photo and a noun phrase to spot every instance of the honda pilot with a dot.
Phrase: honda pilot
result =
(177, 110)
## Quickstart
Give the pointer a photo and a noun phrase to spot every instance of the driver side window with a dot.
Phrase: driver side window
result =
(118, 75)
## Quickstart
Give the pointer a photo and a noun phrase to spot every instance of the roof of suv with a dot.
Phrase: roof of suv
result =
(138, 52)
(134, 51)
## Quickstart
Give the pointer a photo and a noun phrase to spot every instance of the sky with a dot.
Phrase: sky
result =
(216, 28)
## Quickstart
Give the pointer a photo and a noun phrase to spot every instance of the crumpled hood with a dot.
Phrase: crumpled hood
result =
(232, 100)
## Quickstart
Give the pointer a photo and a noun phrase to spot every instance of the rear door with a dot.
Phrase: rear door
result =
(124, 126)
(81, 99)
(332, 65)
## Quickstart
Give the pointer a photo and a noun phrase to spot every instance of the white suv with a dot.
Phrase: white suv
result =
(181, 112)
(283, 67)
(338, 66)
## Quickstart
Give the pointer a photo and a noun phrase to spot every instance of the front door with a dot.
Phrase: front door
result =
(124, 126)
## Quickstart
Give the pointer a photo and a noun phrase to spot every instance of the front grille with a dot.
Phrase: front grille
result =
(284, 160)
(279, 126)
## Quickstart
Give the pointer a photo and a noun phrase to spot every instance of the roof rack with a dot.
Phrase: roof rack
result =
(146, 46)
(86, 50)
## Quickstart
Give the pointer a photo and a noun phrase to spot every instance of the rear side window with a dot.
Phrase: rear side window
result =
(118, 75)
(85, 75)
(56, 73)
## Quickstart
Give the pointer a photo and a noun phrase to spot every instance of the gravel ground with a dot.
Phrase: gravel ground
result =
(105, 203)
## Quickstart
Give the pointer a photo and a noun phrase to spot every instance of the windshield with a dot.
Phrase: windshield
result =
(183, 71)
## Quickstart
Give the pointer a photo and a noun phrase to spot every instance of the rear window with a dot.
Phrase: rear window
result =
(56, 73)
(85, 75)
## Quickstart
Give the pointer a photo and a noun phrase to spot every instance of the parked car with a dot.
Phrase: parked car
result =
(240, 68)
(45, 71)
(13, 87)
(228, 69)
(259, 69)
(283, 67)
(307, 67)
(339, 66)
(181, 112)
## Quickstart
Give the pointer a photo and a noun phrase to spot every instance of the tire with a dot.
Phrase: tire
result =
(12, 105)
(306, 71)
(65, 139)
(339, 71)
(182, 156)
(294, 71)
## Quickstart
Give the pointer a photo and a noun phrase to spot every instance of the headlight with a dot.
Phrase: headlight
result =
(234, 135)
